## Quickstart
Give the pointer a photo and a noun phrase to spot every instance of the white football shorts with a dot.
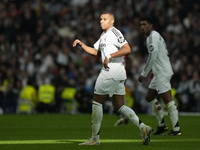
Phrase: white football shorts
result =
(104, 86)
(161, 84)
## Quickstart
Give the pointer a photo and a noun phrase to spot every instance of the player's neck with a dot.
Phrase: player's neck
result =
(148, 33)
(107, 29)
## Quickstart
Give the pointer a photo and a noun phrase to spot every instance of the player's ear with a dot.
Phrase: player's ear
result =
(112, 21)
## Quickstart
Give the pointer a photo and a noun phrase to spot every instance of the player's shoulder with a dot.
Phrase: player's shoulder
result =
(114, 31)
(117, 35)
(154, 35)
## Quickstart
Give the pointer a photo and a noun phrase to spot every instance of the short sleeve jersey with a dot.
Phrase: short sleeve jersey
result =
(158, 59)
(108, 43)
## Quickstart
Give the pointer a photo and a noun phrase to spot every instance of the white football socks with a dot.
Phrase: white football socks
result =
(173, 115)
(158, 112)
(97, 116)
(130, 114)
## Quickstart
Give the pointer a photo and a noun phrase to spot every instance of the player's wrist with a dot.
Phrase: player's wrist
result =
(108, 56)
(80, 44)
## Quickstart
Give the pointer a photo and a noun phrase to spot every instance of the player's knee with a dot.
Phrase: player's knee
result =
(171, 106)
(115, 111)
(117, 108)
(94, 103)
(159, 108)
(148, 98)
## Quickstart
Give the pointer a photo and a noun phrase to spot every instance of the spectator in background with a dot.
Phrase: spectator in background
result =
(10, 99)
(69, 104)
(28, 98)
(194, 92)
(46, 97)
(182, 92)
(84, 99)
(9, 78)
(28, 18)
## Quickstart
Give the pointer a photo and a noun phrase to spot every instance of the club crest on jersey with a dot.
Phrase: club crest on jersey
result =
(121, 39)
(151, 48)
(105, 38)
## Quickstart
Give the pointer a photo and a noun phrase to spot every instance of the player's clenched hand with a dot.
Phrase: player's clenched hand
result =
(77, 42)
(105, 63)
(140, 78)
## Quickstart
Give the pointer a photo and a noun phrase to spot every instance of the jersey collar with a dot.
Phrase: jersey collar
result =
(108, 30)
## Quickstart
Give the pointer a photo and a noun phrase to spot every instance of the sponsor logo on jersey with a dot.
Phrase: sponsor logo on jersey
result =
(102, 45)
(105, 38)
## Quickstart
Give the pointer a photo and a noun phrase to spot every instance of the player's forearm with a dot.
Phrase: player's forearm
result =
(122, 52)
(149, 64)
(148, 67)
(89, 50)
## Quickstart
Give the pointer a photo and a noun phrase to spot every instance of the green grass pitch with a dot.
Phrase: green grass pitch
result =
(64, 132)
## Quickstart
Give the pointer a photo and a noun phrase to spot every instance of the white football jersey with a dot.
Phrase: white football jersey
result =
(110, 42)
(158, 59)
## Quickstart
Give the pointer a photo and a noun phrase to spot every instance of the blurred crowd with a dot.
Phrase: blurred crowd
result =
(36, 39)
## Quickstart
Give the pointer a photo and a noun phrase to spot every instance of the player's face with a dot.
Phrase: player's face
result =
(145, 27)
(106, 21)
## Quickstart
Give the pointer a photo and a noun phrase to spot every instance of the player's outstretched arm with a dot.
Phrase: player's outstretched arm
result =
(86, 48)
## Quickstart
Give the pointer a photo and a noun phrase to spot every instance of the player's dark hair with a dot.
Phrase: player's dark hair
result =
(108, 12)
(147, 19)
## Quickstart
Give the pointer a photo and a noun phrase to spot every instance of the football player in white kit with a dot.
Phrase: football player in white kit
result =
(158, 62)
(111, 79)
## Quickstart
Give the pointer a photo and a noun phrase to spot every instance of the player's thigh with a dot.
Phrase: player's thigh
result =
(118, 95)
(119, 88)
(109, 87)
(103, 86)
(152, 84)
(163, 84)
(151, 94)
(117, 101)
(152, 90)
(166, 96)
(100, 98)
